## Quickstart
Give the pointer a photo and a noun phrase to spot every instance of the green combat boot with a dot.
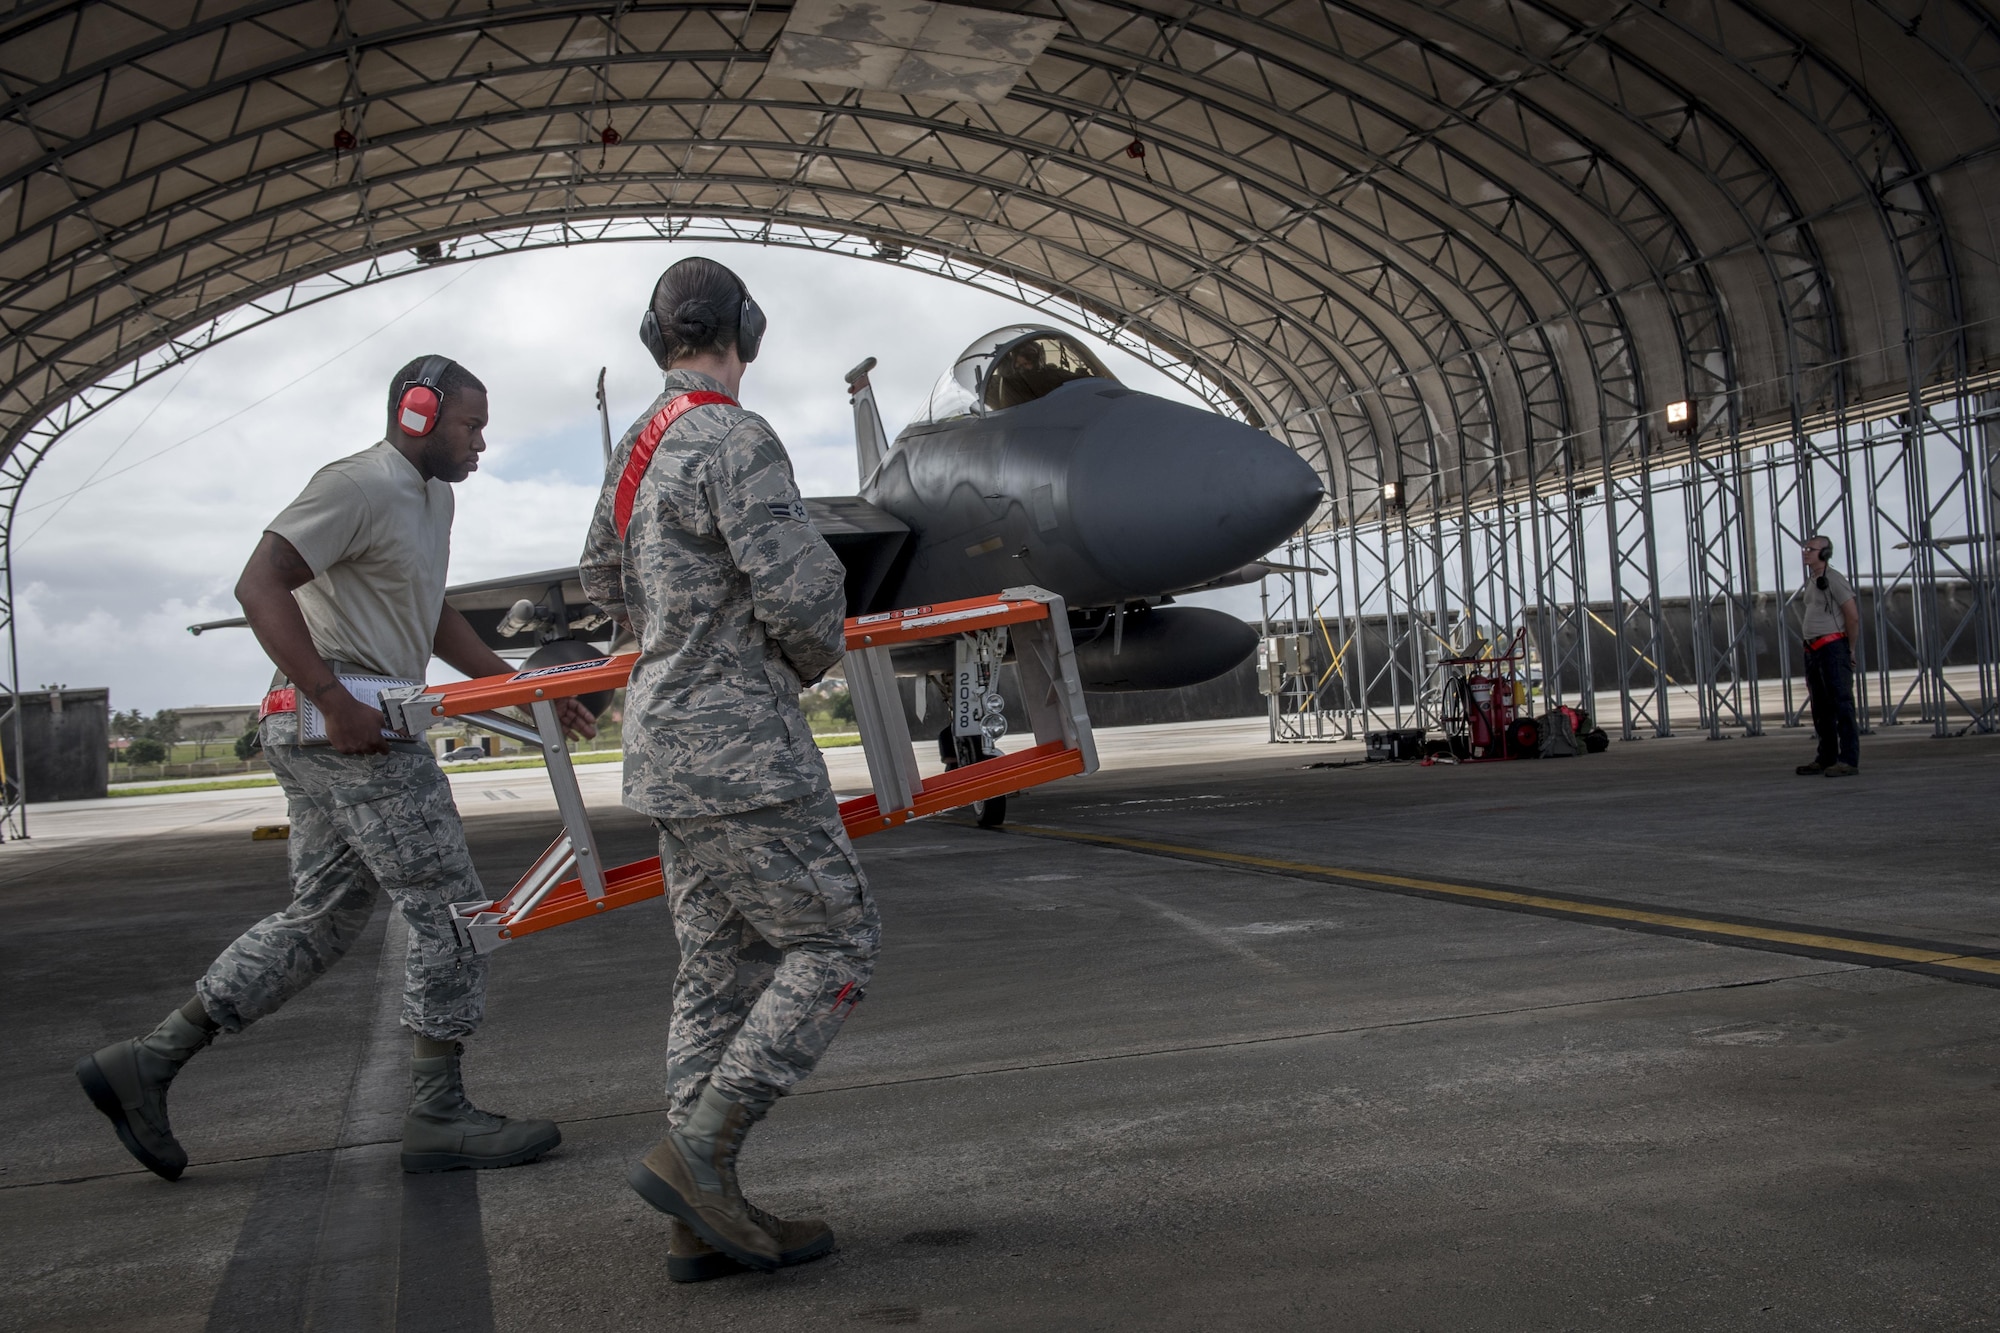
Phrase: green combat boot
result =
(691, 1173)
(128, 1080)
(692, 1259)
(445, 1132)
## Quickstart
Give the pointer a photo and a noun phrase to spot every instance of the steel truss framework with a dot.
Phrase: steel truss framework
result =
(1465, 247)
(1927, 506)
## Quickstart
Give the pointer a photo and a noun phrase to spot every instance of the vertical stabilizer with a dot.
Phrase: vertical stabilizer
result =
(604, 416)
(870, 440)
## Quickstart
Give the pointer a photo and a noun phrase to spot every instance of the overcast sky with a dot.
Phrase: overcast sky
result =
(138, 523)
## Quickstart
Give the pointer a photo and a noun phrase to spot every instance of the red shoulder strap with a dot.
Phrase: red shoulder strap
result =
(648, 441)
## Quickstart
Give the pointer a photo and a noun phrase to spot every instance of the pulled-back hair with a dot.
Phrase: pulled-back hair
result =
(697, 304)
(455, 380)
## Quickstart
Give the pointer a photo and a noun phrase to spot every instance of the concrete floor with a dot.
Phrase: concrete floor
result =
(1096, 1088)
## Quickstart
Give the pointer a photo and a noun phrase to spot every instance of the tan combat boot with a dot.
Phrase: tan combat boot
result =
(128, 1080)
(445, 1132)
(691, 1173)
(692, 1259)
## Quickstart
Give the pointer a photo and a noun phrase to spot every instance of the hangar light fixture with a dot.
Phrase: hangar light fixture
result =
(910, 46)
(1680, 417)
(1392, 494)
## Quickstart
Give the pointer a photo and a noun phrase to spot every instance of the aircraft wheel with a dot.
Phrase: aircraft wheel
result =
(991, 812)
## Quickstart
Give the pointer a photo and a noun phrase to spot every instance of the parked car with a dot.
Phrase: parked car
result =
(463, 752)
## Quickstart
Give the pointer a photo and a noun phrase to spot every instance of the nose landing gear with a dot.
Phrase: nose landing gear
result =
(978, 716)
(957, 752)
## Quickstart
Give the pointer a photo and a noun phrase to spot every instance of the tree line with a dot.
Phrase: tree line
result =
(150, 740)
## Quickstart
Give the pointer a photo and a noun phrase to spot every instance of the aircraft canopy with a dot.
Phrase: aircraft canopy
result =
(1007, 368)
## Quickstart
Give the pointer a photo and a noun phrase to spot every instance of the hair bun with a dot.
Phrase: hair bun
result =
(696, 322)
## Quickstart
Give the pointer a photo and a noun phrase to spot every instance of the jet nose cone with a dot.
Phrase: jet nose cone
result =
(1168, 496)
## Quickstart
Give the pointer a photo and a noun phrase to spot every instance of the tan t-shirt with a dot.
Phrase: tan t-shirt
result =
(1819, 609)
(378, 538)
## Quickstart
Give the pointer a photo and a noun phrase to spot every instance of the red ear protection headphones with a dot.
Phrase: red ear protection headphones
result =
(417, 410)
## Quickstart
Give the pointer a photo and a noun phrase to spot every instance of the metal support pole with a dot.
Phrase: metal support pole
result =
(1985, 535)
(569, 799)
(13, 784)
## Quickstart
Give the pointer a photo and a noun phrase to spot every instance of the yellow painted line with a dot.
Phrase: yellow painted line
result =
(1805, 939)
(1641, 656)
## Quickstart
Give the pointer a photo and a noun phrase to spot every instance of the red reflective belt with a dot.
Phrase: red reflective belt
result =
(1823, 640)
(283, 700)
(643, 447)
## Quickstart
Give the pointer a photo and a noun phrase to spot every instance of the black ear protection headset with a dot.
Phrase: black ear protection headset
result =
(1826, 555)
(750, 325)
(422, 401)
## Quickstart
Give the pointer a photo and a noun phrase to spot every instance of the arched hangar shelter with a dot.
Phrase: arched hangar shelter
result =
(1589, 310)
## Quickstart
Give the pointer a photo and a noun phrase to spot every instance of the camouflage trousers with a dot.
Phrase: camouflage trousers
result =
(361, 824)
(777, 934)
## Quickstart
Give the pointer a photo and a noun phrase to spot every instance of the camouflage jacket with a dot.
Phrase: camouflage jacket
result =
(735, 600)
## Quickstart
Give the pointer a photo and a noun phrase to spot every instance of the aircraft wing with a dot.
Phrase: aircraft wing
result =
(489, 604)
(868, 541)
(489, 607)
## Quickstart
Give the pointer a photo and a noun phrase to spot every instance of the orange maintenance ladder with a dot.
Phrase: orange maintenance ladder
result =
(1032, 622)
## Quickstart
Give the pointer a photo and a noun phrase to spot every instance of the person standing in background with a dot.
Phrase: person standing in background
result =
(1830, 622)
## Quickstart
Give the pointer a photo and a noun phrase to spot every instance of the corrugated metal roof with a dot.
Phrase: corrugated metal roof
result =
(1467, 243)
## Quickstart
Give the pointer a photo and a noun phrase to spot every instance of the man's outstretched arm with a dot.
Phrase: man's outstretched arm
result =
(265, 593)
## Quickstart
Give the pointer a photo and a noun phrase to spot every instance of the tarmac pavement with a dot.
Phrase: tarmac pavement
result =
(1096, 1084)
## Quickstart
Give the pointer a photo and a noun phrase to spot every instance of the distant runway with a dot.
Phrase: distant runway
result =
(1229, 1042)
(525, 789)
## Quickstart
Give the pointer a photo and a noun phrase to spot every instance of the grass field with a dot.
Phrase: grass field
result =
(833, 742)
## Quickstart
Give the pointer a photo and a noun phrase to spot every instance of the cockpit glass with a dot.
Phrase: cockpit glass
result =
(1009, 367)
(1035, 367)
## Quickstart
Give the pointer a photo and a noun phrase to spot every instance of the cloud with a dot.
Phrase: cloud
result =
(109, 576)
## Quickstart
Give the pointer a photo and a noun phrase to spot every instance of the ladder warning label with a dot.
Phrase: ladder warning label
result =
(565, 669)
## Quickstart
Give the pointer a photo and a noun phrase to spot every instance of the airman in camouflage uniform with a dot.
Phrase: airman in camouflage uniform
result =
(736, 601)
(349, 581)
